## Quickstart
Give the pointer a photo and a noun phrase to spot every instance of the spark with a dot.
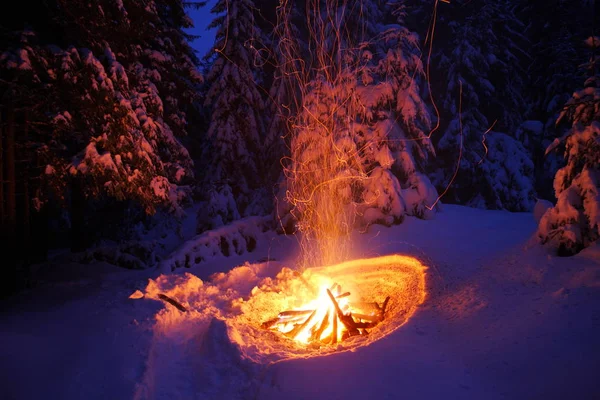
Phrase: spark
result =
(483, 142)
(459, 150)
(429, 39)
(312, 102)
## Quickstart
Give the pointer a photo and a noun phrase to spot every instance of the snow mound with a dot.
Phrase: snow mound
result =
(237, 238)
(540, 208)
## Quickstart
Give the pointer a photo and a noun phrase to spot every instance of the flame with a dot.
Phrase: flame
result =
(321, 322)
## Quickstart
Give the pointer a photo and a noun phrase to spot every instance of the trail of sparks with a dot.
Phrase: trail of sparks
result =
(318, 184)
(315, 187)
(483, 142)
(430, 36)
(459, 151)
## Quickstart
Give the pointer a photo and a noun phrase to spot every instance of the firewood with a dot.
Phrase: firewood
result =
(298, 328)
(286, 317)
(364, 325)
(356, 317)
(270, 323)
(334, 332)
(370, 318)
(173, 302)
(335, 303)
(324, 323)
(364, 307)
(384, 306)
(335, 288)
(345, 319)
(294, 313)
(294, 320)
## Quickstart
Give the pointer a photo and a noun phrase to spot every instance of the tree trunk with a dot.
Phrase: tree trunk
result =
(26, 218)
(11, 200)
(1, 172)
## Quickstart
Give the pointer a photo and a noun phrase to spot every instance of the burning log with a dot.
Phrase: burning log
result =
(345, 319)
(287, 317)
(324, 323)
(385, 303)
(298, 328)
(294, 313)
(270, 323)
(340, 317)
(369, 318)
(334, 333)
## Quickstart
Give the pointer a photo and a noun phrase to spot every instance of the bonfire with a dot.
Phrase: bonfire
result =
(328, 319)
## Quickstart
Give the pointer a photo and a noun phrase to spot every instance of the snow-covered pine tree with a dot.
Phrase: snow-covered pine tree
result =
(480, 66)
(394, 126)
(108, 96)
(574, 222)
(554, 28)
(360, 142)
(237, 125)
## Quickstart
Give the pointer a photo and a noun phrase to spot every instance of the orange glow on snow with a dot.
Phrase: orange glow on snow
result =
(401, 278)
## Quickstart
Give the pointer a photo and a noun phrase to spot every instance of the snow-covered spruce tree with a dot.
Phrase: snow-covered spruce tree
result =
(236, 104)
(395, 124)
(102, 104)
(120, 82)
(361, 139)
(574, 222)
(480, 69)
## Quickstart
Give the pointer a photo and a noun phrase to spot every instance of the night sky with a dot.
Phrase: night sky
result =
(202, 18)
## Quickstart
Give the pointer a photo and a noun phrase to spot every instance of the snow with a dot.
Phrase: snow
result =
(540, 208)
(238, 237)
(503, 319)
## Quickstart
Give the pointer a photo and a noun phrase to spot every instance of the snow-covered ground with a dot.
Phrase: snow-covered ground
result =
(503, 319)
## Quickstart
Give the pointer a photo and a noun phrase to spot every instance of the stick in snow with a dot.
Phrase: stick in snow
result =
(173, 302)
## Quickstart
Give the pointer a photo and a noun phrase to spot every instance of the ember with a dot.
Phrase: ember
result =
(329, 319)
